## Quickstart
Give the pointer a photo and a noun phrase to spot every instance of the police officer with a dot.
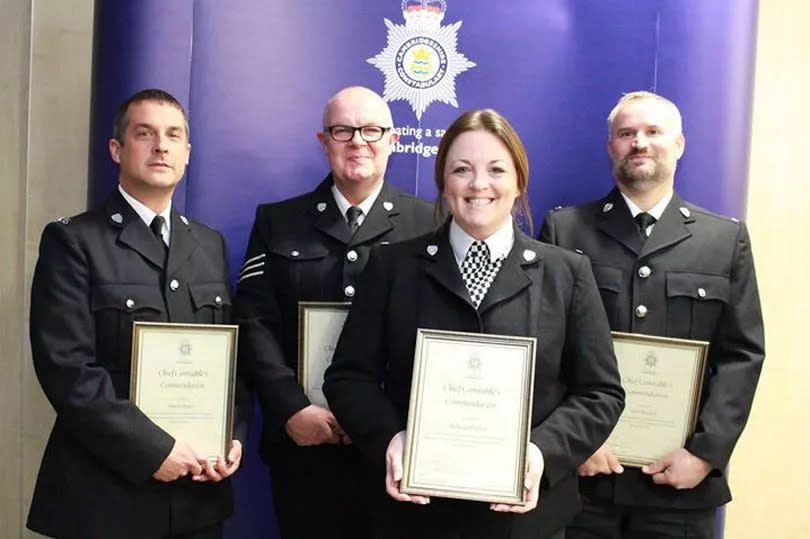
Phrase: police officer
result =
(313, 248)
(108, 471)
(666, 267)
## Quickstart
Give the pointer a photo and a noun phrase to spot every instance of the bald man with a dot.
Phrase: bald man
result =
(313, 248)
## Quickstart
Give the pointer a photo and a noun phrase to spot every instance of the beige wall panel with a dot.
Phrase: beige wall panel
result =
(56, 180)
(769, 471)
(14, 54)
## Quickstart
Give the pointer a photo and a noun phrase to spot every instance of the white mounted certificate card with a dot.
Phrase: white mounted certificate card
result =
(469, 416)
(662, 379)
(183, 378)
(320, 324)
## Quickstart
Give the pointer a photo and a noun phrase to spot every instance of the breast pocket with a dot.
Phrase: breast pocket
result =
(211, 303)
(115, 307)
(301, 271)
(695, 302)
(609, 281)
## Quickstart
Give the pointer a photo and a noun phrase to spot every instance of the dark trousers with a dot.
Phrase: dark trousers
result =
(601, 520)
(450, 519)
(211, 532)
(322, 492)
(439, 534)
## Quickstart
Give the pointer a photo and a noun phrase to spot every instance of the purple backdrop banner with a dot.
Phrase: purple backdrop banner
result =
(255, 75)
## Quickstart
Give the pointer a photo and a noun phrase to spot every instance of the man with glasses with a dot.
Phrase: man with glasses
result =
(313, 248)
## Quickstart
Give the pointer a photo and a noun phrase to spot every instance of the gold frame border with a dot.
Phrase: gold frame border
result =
(304, 307)
(701, 349)
(517, 496)
(139, 327)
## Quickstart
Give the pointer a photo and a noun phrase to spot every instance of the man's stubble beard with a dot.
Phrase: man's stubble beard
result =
(638, 178)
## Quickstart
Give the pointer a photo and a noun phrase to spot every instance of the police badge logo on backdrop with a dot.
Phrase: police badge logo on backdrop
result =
(420, 63)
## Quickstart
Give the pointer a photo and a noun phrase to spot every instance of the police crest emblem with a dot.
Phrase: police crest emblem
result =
(420, 61)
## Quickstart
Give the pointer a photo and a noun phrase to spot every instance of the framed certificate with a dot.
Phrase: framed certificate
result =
(319, 327)
(183, 378)
(469, 416)
(662, 379)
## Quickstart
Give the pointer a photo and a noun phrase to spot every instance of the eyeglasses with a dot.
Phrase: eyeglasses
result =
(345, 133)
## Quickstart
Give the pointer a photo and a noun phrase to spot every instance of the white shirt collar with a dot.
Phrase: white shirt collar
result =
(366, 205)
(656, 211)
(146, 214)
(499, 243)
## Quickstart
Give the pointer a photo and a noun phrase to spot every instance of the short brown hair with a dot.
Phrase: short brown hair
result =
(152, 94)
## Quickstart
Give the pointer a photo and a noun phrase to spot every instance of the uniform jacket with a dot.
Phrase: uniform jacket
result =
(694, 277)
(301, 249)
(96, 274)
(540, 291)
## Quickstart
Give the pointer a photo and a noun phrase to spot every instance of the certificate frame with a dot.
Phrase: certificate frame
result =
(651, 424)
(508, 486)
(166, 361)
(317, 321)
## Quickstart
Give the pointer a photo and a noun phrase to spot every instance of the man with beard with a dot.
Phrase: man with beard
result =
(669, 268)
(313, 248)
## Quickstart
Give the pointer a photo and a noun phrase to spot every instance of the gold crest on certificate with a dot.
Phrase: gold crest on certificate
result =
(471, 401)
(183, 378)
(662, 378)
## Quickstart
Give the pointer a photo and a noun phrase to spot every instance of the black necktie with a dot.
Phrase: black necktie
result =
(352, 216)
(644, 220)
(156, 226)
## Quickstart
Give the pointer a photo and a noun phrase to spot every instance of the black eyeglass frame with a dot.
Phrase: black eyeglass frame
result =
(366, 138)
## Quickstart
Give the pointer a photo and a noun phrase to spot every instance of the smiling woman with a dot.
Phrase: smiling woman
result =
(482, 174)
(480, 184)
(478, 274)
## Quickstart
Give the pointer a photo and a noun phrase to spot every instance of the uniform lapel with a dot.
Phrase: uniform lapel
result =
(134, 232)
(671, 228)
(615, 221)
(326, 215)
(442, 266)
(512, 278)
(183, 242)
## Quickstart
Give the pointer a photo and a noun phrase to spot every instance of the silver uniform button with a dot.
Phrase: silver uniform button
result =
(701, 292)
(351, 256)
(644, 272)
(130, 303)
(349, 291)
(174, 285)
(641, 311)
(218, 300)
(294, 253)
